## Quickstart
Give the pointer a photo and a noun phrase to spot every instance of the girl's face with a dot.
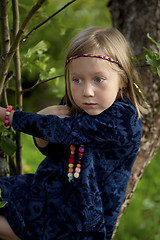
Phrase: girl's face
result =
(94, 84)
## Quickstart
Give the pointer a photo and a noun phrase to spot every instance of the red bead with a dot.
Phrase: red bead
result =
(71, 160)
(80, 154)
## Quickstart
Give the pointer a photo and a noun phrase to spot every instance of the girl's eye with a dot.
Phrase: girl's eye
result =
(77, 80)
(99, 79)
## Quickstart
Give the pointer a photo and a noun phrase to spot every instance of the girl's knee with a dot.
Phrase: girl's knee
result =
(6, 232)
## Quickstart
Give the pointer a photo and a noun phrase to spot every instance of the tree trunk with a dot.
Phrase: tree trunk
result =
(135, 19)
(5, 46)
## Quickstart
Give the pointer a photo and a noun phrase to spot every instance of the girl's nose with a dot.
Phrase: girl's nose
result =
(88, 90)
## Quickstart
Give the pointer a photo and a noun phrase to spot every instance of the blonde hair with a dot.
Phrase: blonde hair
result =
(112, 43)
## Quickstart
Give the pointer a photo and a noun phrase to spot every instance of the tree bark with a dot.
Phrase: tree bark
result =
(135, 19)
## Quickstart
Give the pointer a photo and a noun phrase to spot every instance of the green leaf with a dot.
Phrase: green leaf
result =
(153, 62)
(8, 145)
(156, 43)
(148, 50)
(2, 203)
(39, 48)
(151, 38)
(52, 71)
(2, 128)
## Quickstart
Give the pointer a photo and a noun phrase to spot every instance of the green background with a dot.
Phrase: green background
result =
(142, 218)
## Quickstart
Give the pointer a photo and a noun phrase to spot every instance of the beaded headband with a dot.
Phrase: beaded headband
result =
(105, 58)
(92, 55)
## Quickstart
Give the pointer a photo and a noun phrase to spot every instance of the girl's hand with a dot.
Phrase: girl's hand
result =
(59, 110)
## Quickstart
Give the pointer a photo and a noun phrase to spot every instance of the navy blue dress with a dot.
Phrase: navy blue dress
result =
(44, 205)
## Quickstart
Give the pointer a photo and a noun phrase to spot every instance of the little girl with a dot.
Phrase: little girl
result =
(90, 143)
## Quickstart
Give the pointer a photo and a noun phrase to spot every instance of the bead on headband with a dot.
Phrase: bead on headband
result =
(92, 55)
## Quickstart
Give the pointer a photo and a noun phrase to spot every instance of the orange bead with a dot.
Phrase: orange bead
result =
(7, 127)
(78, 165)
(11, 107)
(70, 170)
(72, 148)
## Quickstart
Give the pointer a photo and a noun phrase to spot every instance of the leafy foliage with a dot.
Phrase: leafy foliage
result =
(7, 140)
(37, 55)
(153, 57)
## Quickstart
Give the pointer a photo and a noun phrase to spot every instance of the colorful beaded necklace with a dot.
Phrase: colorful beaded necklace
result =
(75, 172)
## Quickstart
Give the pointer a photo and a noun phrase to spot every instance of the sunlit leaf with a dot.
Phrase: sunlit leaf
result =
(39, 48)
(2, 203)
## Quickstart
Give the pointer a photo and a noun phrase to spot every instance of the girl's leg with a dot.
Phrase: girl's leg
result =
(6, 232)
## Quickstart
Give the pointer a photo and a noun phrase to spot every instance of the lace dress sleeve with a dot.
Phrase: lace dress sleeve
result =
(120, 120)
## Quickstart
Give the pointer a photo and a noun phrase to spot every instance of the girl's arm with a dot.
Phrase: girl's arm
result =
(59, 110)
(118, 123)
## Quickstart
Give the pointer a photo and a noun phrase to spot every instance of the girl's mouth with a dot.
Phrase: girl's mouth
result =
(90, 104)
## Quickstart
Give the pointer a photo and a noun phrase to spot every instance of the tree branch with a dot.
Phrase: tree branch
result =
(8, 58)
(17, 63)
(5, 37)
(42, 23)
(5, 45)
(40, 82)
(19, 99)
(4, 27)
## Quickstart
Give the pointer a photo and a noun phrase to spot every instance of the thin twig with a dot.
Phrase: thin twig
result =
(9, 77)
(5, 97)
(40, 82)
(42, 23)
